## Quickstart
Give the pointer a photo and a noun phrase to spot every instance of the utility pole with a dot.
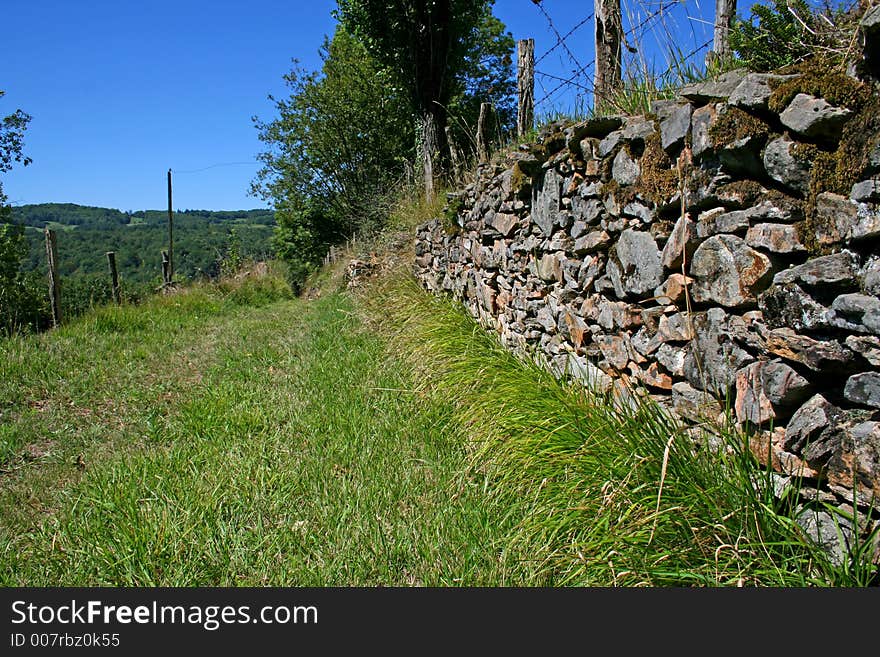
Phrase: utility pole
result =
(170, 235)
(525, 86)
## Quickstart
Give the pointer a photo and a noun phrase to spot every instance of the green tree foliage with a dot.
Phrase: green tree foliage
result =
(85, 234)
(487, 76)
(14, 297)
(436, 50)
(338, 146)
(785, 32)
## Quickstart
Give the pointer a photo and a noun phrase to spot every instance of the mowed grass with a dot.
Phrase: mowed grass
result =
(205, 439)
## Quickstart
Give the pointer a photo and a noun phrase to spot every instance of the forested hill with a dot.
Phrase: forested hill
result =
(84, 235)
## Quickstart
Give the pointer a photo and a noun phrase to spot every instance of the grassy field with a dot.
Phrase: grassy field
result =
(232, 435)
(200, 441)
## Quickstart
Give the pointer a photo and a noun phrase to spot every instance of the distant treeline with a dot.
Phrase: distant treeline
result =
(202, 239)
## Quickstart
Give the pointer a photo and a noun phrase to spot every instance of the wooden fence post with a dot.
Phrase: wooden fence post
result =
(54, 284)
(609, 35)
(525, 86)
(170, 234)
(483, 133)
(114, 276)
(724, 13)
(454, 155)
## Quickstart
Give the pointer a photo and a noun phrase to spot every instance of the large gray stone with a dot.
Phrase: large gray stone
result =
(840, 219)
(867, 225)
(546, 202)
(832, 533)
(587, 210)
(859, 312)
(781, 165)
(817, 355)
(837, 270)
(775, 238)
(616, 349)
(788, 305)
(808, 422)
(638, 128)
(729, 272)
(867, 346)
(768, 391)
(504, 223)
(591, 242)
(870, 276)
(847, 453)
(754, 91)
(625, 170)
(681, 244)
(675, 127)
(718, 88)
(863, 389)
(635, 268)
(713, 358)
(701, 122)
(718, 220)
(671, 358)
(692, 404)
(866, 191)
(611, 141)
(814, 117)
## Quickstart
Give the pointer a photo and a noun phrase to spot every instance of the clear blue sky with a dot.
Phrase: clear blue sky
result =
(120, 92)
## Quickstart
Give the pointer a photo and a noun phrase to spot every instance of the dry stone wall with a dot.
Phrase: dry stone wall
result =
(720, 254)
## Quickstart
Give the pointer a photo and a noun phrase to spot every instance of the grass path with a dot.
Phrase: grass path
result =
(196, 441)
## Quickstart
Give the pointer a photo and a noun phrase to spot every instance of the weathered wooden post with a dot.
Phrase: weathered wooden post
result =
(609, 35)
(724, 13)
(170, 235)
(483, 133)
(525, 86)
(454, 155)
(166, 279)
(114, 277)
(54, 284)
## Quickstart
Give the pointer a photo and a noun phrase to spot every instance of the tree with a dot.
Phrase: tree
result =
(338, 146)
(12, 244)
(426, 45)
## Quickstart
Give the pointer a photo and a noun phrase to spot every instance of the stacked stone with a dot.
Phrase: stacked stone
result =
(686, 253)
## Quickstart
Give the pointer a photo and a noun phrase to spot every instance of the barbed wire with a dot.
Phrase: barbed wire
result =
(580, 79)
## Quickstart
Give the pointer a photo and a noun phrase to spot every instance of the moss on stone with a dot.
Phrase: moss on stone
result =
(750, 191)
(658, 181)
(735, 124)
(822, 80)
(449, 218)
(520, 182)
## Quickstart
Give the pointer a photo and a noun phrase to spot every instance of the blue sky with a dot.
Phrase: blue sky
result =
(120, 92)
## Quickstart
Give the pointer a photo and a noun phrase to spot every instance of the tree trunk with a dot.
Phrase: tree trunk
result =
(609, 34)
(724, 13)
(525, 86)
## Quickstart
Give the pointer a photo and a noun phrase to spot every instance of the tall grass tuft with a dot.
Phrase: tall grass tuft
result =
(610, 494)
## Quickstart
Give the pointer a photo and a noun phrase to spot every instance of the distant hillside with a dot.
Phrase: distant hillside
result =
(85, 234)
